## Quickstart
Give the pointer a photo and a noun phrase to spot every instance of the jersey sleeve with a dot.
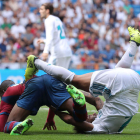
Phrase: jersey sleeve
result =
(49, 25)
(50, 117)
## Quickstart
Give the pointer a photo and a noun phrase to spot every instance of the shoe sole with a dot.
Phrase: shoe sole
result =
(77, 95)
(30, 66)
(132, 33)
(21, 128)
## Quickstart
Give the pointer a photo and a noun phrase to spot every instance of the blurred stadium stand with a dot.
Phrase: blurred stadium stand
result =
(96, 31)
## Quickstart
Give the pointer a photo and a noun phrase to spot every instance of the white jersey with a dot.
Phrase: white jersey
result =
(120, 87)
(56, 42)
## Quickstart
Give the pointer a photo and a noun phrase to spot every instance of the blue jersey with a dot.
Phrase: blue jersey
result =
(43, 90)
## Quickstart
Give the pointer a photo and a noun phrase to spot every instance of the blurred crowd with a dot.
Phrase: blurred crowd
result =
(96, 31)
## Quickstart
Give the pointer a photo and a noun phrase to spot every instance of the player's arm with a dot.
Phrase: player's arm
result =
(83, 126)
(48, 42)
(96, 101)
(39, 41)
(50, 121)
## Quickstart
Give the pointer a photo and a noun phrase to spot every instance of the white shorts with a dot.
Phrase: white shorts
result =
(112, 81)
(109, 124)
(62, 61)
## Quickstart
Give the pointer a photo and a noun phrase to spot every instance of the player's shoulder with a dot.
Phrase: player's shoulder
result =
(53, 18)
(16, 86)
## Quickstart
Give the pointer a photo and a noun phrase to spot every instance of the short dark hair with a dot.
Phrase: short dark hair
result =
(4, 85)
(48, 6)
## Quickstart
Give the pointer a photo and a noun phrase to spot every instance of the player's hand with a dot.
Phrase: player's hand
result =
(39, 41)
(44, 56)
(50, 125)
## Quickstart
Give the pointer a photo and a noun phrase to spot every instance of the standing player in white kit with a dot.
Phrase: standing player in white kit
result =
(55, 42)
(119, 86)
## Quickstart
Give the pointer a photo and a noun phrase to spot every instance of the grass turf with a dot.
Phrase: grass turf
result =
(65, 131)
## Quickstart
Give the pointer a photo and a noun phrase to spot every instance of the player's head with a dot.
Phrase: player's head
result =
(45, 10)
(4, 85)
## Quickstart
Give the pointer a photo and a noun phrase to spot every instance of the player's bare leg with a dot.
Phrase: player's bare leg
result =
(18, 114)
(14, 123)
(82, 81)
(66, 76)
(67, 105)
(85, 126)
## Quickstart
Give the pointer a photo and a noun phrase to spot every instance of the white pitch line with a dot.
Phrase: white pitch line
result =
(42, 109)
(48, 109)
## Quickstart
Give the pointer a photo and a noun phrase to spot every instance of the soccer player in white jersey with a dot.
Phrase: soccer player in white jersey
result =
(120, 88)
(55, 42)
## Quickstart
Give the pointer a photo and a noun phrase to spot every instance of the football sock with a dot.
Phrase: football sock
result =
(3, 120)
(10, 125)
(79, 112)
(128, 57)
(50, 117)
(57, 72)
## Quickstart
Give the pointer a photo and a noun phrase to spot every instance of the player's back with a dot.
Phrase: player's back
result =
(10, 97)
(60, 46)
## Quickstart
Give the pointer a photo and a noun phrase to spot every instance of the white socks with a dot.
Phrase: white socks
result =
(57, 72)
(128, 57)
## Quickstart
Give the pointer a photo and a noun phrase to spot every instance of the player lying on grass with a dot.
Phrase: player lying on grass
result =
(120, 87)
(8, 100)
(9, 93)
(45, 90)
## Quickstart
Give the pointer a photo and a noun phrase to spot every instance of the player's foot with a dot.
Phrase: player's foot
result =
(30, 69)
(22, 127)
(76, 94)
(134, 35)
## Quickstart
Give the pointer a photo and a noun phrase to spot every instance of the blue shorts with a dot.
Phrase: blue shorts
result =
(43, 90)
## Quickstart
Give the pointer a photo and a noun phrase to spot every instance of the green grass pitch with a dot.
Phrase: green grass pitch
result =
(65, 131)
